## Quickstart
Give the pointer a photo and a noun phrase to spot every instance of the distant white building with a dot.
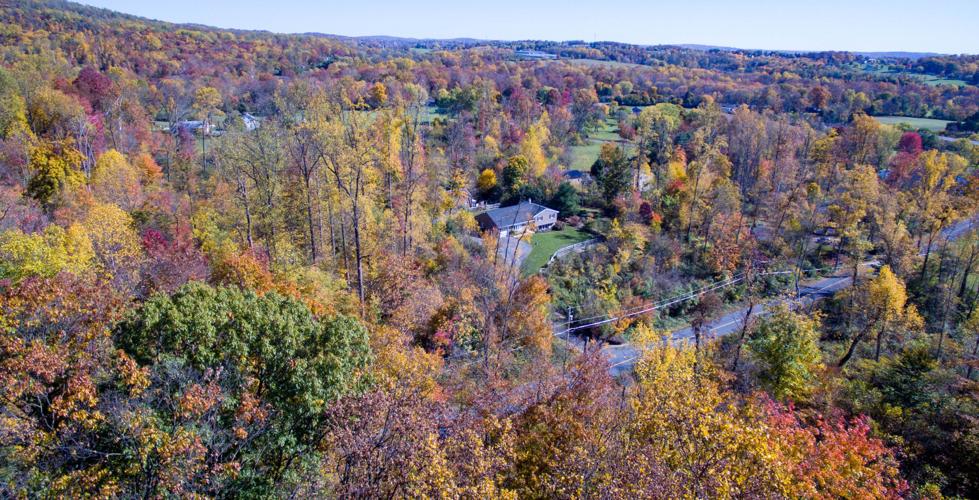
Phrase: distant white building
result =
(252, 122)
(193, 126)
(534, 55)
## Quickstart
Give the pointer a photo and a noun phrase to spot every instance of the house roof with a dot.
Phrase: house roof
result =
(576, 175)
(522, 213)
(189, 124)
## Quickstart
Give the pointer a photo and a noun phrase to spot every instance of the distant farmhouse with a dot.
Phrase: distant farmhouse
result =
(534, 55)
(252, 122)
(577, 177)
(728, 108)
(193, 126)
(516, 218)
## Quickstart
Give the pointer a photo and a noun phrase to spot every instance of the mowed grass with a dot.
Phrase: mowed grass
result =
(544, 244)
(429, 113)
(426, 114)
(608, 133)
(935, 81)
(584, 156)
(932, 80)
(932, 124)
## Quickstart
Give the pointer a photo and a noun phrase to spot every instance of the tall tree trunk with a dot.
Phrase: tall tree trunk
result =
(406, 229)
(170, 151)
(924, 265)
(856, 340)
(243, 187)
(839, 252)
(856, 272)
(849, 352)
(320, 232)
(309, 218)
(744, 333)
(880, 338)
(941, 260)
(204, 148)
(693, 202)
(975, 350)
(946, 310)
(343, 251)
(358, 247)
(248, 227)
(783, 212)
(967, 271)
(333, 232)
(270, 240)
(802, 252)
(359, 256)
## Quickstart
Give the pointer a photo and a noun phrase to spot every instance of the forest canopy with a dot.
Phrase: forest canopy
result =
(244, 264)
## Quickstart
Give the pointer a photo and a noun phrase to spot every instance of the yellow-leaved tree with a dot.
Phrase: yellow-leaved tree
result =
(528, 316)
(881, 304)
(115, 180)
(54, 167)
(684, 421)
(114, 242)
(486, 181)
(44, 254)
(532, 146)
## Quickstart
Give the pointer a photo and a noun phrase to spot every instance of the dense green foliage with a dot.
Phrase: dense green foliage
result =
(786, 345)
(241, 339)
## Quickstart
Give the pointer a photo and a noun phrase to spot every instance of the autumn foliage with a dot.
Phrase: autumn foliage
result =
(244, 264)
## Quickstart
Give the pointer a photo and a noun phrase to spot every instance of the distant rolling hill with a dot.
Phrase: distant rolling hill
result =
(878, 55)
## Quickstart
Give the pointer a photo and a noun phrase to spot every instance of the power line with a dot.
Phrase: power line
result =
(649, 308)
(685, 294)
(637, 310)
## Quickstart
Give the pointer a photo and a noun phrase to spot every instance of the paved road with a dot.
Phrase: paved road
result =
(953, 139)
(623, 357)
(522, 249)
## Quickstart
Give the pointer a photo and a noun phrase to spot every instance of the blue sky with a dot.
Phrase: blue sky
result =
(947, 26)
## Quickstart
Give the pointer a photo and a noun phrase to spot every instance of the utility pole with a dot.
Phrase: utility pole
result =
(584, 347)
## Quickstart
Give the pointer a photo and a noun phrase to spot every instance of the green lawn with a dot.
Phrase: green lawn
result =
(428, 113)
(425, 115)
(544, 244)
(917, 123)
(583, 156)
(932, 80)
(609, 132)
(935, 81)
